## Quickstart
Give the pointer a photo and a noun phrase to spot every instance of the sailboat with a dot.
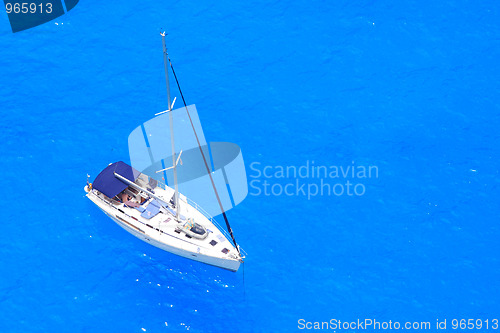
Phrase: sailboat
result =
(160, 215)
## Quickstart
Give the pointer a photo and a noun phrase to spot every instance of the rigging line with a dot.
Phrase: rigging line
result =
(205, 160)
(244, 291)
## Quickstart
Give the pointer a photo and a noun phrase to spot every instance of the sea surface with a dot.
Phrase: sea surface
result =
(410, 88)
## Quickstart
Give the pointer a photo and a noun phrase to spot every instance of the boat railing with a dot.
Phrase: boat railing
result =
(192, 203)
(206, 214)
(200, 209)
(214, 222)
(201, 250)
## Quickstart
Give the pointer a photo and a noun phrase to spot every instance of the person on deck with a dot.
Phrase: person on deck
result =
(126, 200)
(125, 197)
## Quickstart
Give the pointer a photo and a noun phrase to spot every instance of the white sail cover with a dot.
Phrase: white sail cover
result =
(150, 151)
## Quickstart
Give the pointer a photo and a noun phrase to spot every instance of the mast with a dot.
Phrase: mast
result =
(176, 195)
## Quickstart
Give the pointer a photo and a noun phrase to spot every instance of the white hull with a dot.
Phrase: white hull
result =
(163, 235)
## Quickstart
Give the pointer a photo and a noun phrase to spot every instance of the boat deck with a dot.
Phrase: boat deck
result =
(164, 228)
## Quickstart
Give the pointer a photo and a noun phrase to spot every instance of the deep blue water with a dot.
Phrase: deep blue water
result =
(410, 87)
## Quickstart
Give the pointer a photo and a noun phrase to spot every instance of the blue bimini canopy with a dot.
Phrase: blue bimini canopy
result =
(108, 184)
